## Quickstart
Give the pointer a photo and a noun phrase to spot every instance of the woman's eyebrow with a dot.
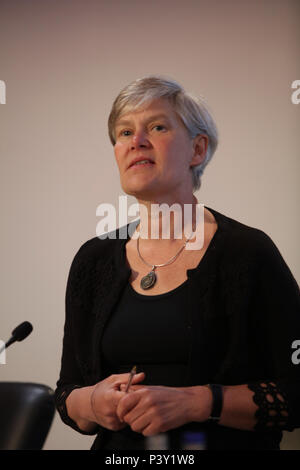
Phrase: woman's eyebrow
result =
(127, 122)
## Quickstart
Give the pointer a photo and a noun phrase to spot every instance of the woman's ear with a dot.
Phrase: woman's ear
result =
(200, 145)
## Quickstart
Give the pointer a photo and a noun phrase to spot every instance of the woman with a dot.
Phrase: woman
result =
(210, 329)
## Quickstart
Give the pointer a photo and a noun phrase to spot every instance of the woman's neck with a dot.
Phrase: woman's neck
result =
(169, 222)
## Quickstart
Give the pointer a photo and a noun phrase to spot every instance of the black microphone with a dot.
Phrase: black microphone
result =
(19, 333)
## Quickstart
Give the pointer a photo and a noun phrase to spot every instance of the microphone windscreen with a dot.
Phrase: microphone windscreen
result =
(22, 331)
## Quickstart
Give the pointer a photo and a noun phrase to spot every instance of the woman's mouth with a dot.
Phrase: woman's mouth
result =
(142, 163)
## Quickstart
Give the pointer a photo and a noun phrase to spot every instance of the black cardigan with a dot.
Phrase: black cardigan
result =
(248, 315)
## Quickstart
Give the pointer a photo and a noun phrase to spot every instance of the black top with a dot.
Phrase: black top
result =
(152, 333)
(242, 316)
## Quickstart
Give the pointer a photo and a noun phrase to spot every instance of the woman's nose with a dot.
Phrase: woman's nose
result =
(139, 139)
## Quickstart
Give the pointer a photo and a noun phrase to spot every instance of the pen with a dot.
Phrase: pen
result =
(132, 373)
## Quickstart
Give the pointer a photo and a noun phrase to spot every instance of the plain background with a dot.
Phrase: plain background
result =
(64, 62)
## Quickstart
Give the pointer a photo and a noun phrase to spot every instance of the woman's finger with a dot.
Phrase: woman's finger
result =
(132, 388)
(124, 378)
(126, 403)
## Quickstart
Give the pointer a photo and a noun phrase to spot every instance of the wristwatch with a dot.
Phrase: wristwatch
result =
(217, 402)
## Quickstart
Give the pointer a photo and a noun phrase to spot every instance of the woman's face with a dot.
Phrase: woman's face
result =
(156, 133)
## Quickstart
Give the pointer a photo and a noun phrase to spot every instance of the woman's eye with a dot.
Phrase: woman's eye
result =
(124, 132)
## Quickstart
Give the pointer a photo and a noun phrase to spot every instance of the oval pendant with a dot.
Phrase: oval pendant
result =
(148, 281)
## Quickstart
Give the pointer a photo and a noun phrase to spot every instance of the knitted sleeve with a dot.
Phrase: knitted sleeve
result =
(276, 327)
(273, 406)
(70, 373)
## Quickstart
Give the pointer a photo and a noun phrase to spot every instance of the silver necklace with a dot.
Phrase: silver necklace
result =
(149, 280)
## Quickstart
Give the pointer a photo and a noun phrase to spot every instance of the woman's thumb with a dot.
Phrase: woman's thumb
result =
(135, 380)
(138, 377)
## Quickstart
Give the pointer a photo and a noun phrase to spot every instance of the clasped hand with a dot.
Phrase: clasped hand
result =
(151, 409)
(147, 409)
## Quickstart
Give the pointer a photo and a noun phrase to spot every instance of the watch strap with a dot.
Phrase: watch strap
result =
(217, 402)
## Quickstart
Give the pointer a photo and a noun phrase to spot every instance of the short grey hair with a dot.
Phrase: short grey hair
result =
(192, 110)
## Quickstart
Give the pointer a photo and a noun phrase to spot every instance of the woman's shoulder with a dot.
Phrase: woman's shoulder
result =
(94, 260)
(100, 249)
(243, 240)
(248, 252)
(103, 246)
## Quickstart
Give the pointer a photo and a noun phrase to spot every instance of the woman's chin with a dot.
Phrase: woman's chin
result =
(140, 193)
(139, 189)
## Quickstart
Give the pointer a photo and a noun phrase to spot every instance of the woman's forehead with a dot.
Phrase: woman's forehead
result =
(156, 109)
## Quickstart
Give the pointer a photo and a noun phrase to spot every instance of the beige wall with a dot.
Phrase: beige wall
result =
(63, 63)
